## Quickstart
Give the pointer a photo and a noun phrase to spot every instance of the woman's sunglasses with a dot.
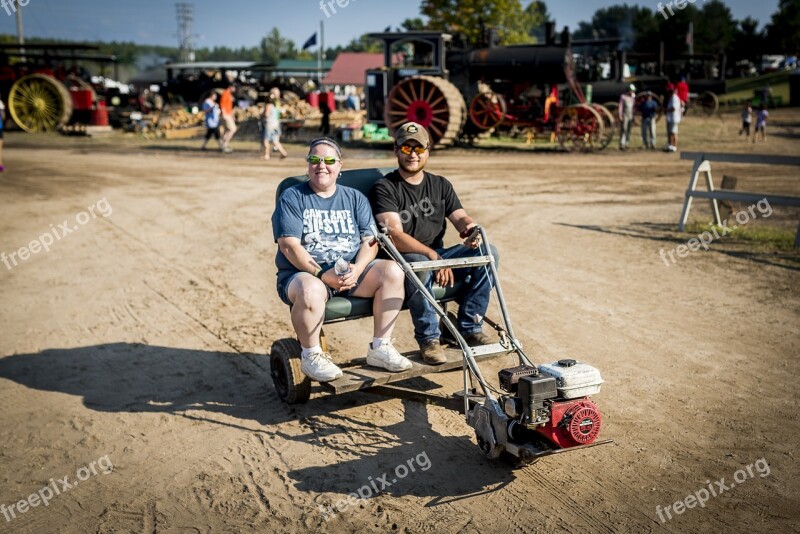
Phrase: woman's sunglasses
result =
(328, 160)
(408, 149)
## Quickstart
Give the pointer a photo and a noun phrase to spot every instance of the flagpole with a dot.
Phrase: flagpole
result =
(691, 39)
(320, 51)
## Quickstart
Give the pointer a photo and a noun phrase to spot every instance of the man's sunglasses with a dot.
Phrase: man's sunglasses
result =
(328, 160)
(408, 149)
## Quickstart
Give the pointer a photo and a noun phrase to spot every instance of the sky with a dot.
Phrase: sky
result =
(236, 23)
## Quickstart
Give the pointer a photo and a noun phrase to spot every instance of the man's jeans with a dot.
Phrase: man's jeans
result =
(473, 298)
(649, 131)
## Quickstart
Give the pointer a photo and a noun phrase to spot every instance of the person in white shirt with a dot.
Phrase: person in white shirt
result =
(673, 116)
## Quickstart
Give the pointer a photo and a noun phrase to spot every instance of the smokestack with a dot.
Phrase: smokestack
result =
(549, 33)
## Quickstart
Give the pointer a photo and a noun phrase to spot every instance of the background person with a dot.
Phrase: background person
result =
(625, 112)
(421, 238)
(761, 123)
(226, 106)
(315, 223)
(2, 121)
(271, 125)
(682, 90)
(649, 108)
(212, 113)
(747, 120)
(673, 118)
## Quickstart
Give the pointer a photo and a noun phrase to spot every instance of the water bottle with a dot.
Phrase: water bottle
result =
(342, 266)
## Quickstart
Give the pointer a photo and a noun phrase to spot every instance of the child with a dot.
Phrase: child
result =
(761, 123)
(747, 118)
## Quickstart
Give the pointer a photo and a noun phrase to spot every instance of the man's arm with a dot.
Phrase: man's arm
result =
(407, 244)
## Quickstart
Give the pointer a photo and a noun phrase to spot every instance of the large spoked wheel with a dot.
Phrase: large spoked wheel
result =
(432, 102)
(39, 103)
(292, 385)
(487, 110)
(609, 125)
(709, 102)
(579, 128)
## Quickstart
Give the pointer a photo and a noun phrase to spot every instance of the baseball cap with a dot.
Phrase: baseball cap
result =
(670, 87)
(632, 88)
(412, 130)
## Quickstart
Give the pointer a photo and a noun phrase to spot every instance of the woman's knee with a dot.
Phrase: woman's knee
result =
(308, 292)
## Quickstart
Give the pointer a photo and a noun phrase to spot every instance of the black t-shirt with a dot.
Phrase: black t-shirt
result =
(423, 208)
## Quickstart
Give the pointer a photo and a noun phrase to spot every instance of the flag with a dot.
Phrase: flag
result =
(311, 42)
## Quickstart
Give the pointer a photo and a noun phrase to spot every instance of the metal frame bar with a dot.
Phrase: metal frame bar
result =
(702, 164)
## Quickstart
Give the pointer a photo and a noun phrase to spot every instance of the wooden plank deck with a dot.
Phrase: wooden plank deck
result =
(359, 375)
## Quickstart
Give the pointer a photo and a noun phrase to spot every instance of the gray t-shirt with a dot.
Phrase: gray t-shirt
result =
(328, 228)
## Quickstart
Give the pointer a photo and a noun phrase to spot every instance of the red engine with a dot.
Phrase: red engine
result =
(572, 422)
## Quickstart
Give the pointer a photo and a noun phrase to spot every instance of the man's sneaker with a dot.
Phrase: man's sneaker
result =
(432, 352)
(318, 366)
(387, 357)
(478, 338)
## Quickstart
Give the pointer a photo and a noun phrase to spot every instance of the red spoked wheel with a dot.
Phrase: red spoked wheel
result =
(487, 110)
(432, 102)
(579, 128)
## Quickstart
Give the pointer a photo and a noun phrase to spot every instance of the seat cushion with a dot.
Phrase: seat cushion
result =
(342, 308)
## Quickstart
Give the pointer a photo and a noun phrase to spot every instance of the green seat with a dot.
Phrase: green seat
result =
(347, 308)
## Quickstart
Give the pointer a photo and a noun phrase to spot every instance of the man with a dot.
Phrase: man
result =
(323, 235)
(226, 106)
(625, 111)
(418, 234)
(649, 108)
(673, 116)
(682, 90)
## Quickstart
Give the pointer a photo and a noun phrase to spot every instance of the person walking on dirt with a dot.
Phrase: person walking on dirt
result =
(413, 207)
(673, 116)
(649, 108)
(226, 106)
(761, 123)
(2, 121)
(625, 111)
(212, 113)
(271, 125)
(747, 120)
(323, 235)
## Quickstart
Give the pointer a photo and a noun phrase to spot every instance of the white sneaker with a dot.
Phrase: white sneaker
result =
(387, 357)
(318, 366)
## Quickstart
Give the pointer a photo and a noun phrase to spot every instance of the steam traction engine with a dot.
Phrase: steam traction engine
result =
(465, 92)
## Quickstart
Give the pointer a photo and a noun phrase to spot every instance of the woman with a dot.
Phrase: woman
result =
(315, 223)
(271, 125)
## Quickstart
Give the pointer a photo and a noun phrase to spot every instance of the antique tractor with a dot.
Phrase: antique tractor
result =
(464, 92)
(46, 87)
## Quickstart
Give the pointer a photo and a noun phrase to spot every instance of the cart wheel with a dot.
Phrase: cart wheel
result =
(292, 385)
(39, 103)
(709, 102)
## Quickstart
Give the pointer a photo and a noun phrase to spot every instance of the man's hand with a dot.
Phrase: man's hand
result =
(472, 236)
(443, 277)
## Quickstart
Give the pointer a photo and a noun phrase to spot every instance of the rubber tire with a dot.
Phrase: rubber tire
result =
(292, 386)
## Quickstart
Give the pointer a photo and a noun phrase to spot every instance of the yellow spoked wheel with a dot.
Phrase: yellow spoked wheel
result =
(39, 103)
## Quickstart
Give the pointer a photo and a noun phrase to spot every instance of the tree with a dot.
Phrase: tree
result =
(783, 33)
(473, 18)
(538, 16)
(414, 25)
(715, 28)
(275, 47)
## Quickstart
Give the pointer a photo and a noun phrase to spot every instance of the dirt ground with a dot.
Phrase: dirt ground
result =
(141, 340)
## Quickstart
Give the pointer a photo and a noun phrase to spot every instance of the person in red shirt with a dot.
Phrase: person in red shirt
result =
(682, 90)
(226, 106)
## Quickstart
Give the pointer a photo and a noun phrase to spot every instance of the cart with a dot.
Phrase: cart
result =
(507, 423)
